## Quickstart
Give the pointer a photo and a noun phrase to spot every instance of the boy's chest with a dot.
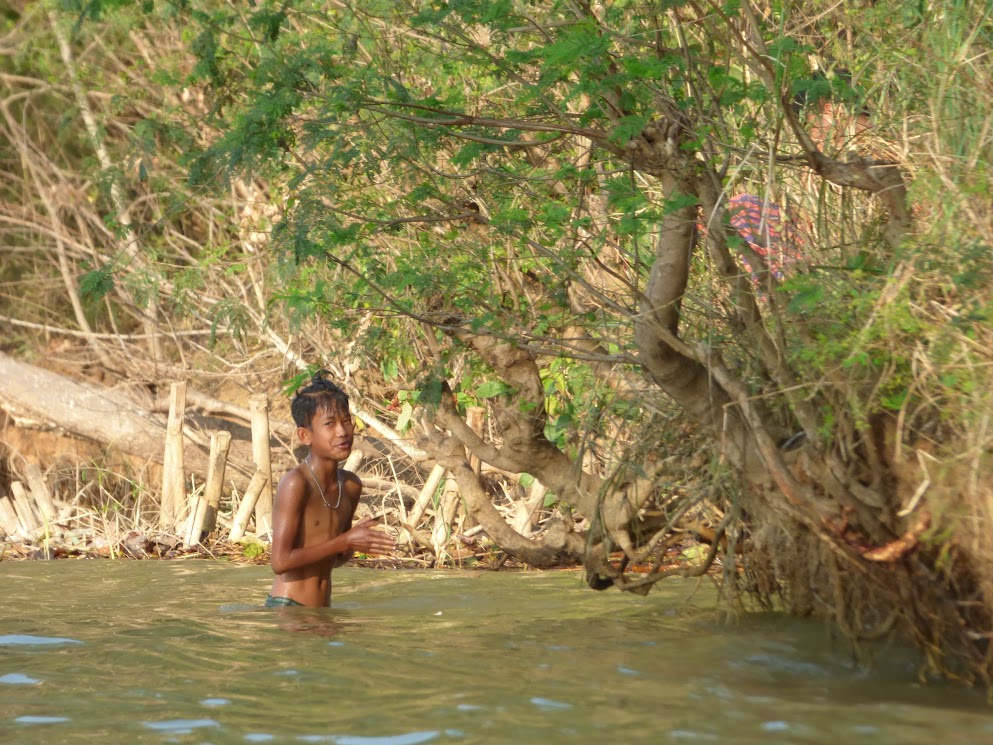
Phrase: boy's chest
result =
(320, 522)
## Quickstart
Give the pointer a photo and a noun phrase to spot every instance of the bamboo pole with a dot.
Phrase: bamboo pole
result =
(259, 405)
(524, 517)
(247, 506)
(430, 486)
(9, 523)
(205, 506)
(173, 464)
(39, 491)
(214, 493)
(352, 461)
(22, 507)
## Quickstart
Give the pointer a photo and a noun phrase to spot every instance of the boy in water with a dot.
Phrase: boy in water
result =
(315, 502)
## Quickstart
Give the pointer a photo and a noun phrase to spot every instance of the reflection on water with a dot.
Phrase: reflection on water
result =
(183, 652)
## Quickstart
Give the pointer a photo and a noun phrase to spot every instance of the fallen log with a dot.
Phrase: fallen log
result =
(69, 413)
(36, 398)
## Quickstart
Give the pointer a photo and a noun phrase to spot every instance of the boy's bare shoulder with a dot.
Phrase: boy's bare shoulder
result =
(352, 483)
(350, 477)
(293, 481)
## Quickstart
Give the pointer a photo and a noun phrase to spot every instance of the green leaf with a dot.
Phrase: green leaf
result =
(491, 389)
(649, 68)
(627, 128)
(693, 553)
(93, 285)
(495, 10)
(677, 201)
(806, 299)
(268, 23)
(403, 421)
(253, 550)
(431, 391)
(894, 401)
(578, 42)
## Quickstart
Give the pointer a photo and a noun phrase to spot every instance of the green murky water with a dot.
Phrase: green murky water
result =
(181, 652)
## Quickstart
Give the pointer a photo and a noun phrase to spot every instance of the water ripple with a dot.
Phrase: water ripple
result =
(181, 726)
(13, 640)
(409, 738)
(18, 679)
(547, 703)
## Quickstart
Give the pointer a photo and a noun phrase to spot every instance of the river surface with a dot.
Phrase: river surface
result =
(181, 652)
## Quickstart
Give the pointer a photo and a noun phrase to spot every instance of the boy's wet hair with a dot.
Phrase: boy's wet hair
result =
(318, 395)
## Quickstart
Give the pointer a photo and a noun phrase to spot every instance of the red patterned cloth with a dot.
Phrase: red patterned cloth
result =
(760, 223)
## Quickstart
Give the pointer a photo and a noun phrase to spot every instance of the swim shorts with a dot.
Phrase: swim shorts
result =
(271, 602)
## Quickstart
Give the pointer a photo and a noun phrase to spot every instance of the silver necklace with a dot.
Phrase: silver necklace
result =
(319, 489)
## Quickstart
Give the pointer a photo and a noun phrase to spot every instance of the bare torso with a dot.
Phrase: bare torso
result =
(311, 585)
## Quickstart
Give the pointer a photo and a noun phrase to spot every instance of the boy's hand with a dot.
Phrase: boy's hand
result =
(364, 537)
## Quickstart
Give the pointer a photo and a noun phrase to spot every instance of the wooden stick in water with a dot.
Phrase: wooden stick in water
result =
(8, 517)
(259, 405)
(205, 506)
(524, 517)
(23, 509)
(215, 478)
(173, 465)
(247, 506)
(418, 536)
(39, 490)
(430, 486)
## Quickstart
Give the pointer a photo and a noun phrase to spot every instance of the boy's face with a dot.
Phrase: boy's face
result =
(330, 434)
